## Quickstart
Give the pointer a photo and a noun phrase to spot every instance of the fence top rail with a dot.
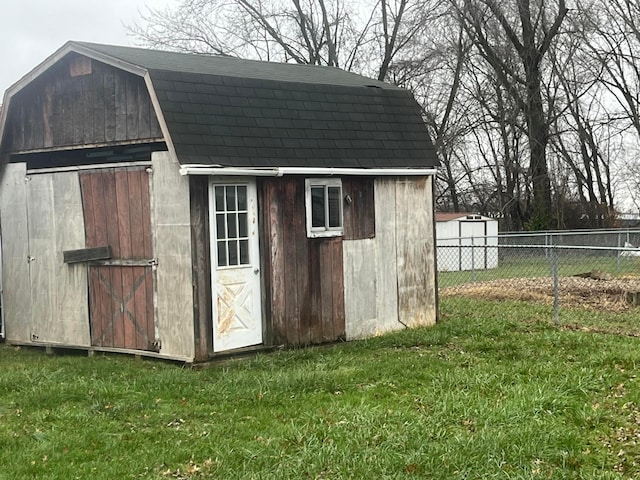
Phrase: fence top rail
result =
(559, 233)
(544, 247)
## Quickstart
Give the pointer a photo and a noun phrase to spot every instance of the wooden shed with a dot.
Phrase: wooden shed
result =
(181, 205)
(466, 241)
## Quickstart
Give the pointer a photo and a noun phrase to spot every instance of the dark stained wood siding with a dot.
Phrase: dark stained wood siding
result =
(304, 276)
(71, 106)
(116, 206)
(201, 265)
(359, 215)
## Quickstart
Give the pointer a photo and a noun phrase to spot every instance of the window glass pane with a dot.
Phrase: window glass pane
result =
(219, 199)
(242, 197)
(243, 226)
(244, 252)
(232, 230)
(317, 206)
(220, 231)
(334, 195)
(233, 253)
(222, 253)
(231, 199)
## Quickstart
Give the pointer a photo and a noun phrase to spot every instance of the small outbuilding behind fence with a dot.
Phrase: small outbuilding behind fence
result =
(466, 241)
(183, 206)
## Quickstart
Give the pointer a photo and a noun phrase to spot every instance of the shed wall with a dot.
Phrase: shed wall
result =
(304, 278)
(389, 279)
(172, 242)
(15, 252)
(80, 102)
(58, 290)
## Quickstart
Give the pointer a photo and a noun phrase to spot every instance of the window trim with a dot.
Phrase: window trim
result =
(326, 231)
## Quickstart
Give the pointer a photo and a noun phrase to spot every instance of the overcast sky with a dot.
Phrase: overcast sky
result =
(34, 29)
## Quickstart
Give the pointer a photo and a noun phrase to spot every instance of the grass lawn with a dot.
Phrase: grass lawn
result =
(493, 391)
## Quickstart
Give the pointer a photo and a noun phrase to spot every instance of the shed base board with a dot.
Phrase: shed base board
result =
(57, 347)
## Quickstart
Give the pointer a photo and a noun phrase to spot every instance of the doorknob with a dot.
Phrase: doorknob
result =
(256, 270)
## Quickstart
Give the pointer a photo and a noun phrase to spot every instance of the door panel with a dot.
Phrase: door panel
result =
(117, 213)
(235, 274)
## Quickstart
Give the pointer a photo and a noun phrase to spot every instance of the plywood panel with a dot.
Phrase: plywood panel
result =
(59, 290)
(172, 238)
(387, 268)
(360, 288)
(415, 251)
(15, 252)
(70, 324)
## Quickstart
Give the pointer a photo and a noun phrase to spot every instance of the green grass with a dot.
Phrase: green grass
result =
(494, 391)
(569, 263)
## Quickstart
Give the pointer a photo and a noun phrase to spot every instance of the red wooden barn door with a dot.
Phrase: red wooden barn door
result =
(116, 206)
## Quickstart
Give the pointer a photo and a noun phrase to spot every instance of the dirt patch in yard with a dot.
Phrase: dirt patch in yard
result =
(602, 294)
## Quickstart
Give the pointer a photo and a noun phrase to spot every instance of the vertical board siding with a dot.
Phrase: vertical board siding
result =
(105, 105)
(360, 214)
(305, 278)
(117, 213)
(201, 266)
(415, 247)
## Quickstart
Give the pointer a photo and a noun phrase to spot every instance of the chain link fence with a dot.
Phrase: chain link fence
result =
(598, 269)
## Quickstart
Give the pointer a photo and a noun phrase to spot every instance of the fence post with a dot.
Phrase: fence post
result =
(554, 273)
(618, 253)
(473, 260)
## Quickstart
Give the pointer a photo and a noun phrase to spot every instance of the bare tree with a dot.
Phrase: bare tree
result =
(514, 37)
(367, 37)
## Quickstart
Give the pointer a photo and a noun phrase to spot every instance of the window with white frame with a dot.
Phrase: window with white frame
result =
(323, 199)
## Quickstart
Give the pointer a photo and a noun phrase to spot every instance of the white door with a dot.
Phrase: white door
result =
(235, 264)
(472, 257)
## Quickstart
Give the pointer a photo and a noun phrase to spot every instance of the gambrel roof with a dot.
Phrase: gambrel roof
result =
(217, 110)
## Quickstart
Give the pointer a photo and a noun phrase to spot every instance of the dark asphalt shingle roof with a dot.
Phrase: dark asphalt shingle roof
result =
(244, 113)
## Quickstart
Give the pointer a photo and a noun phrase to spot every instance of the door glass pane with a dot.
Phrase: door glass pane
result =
(242, 197)
(317, 207)
(232, 230)
(334, 206)
(219, 199)
(244, 252)
(243, 226)
(222, 253)
(231, 198)
(233, 252)
(220, 231)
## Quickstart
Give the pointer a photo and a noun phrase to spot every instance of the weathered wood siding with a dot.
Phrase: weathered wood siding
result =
(80, 101)
(389, 279)
(201, 266)
(172, 240)
(359, 214)
(58, 290)
(304, 277)
(415, 250)
(117, 214)
(45, 299)
(15, 253)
